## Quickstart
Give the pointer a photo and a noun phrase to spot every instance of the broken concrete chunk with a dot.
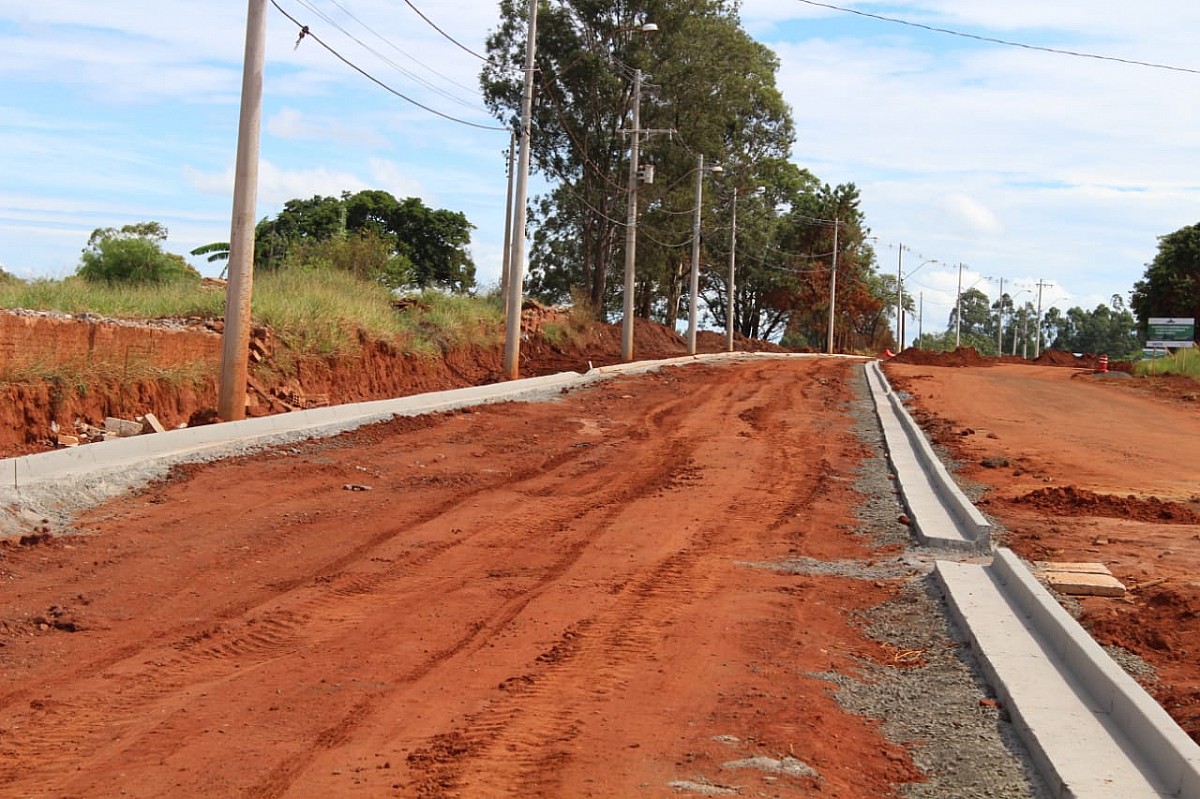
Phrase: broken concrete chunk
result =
(121, 428)
(1082, 579)
(150, 424)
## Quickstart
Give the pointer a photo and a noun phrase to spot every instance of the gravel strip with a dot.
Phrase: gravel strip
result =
(933, 700)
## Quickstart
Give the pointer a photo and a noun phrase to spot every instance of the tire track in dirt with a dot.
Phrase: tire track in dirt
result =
(522, 737)
(225, 649)
(564, 509)
(596, 504)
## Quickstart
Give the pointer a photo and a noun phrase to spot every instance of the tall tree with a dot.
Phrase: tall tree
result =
(1171, 285)
(1104, 330)
(705, 79)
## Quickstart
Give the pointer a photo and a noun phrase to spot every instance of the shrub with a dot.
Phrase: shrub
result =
(133, 254)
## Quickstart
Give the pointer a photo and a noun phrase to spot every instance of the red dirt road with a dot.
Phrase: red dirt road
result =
(1089, 468)
(531, 600)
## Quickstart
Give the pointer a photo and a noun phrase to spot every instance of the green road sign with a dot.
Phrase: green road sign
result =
(1163, 332)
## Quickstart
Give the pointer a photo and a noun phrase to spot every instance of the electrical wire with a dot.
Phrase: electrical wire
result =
(306, 32)
(450, 38)
(993, 40)
(433, 88)
(473, 90)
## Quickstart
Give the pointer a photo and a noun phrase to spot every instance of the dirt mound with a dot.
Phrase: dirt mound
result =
(1071, 501)
(962, 356)
(1084, 360)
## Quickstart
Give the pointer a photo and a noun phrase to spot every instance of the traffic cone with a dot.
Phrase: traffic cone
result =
(1102, 365)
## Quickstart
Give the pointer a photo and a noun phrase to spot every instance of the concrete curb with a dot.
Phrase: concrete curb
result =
(1091, 729)
(1162, 743)
(940, 513)
(52, 485)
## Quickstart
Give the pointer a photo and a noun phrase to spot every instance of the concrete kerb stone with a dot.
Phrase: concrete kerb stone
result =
(1173, 756)
(918, 471)
(32, 486)
(54, 484)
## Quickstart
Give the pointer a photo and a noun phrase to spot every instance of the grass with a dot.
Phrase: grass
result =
(1183, 362)
(127, 301)
(315, 312)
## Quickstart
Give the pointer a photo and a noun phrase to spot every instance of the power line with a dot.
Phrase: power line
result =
(454, 41)
(409, 56)
(1005, 42)
(306, 32)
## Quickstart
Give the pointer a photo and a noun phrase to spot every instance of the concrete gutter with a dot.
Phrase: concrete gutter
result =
(1093, 732)
(940, 513)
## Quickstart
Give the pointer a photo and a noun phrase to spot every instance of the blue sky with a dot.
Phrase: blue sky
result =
(1021, 164)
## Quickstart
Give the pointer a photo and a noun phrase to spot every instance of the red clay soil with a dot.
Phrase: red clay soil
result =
(522, 600)
(103, 368)
(1085, 467)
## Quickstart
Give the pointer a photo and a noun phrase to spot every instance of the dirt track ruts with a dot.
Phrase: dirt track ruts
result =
(530, 600)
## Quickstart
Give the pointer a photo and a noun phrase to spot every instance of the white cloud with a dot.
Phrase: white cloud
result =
(971, 214)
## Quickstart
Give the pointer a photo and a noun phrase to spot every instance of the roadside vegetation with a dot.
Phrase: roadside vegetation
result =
(1181, 362)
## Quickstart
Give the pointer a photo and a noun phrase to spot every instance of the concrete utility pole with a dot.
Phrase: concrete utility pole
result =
(832, 289)
(506, 263)
(694, 282)
(516, 266)
(732, 271)
(900, 301)
(958, 309)
(920, 318)
(1037, 348)
(632, 220)
(235, 339)
(1000, 321)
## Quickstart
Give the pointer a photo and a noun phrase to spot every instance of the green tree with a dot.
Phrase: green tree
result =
(1111, 331)
(978, 326)
(397, 242)
(1171, 284)
(132, 254)
(705, 79)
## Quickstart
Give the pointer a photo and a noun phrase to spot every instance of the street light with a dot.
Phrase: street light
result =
(900, 293)
(516, 265)
(732, 269)
(632, 216)
(958, 304)
(1011, 314)
(694, 285)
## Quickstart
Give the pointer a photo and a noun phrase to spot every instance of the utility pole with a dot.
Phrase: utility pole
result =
(958, 309)
(632, 219)
(732, 270)
(508, 218)
(1037, 348)
(235, 339)
(900, 301)
(1000, 321)
(516, 266)
(920, 319)
(694, 282)
(832, 289)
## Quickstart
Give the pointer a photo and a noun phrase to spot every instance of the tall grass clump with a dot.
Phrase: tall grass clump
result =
(1182, 362)
(318, 311)
(124, 300)
(435, 321)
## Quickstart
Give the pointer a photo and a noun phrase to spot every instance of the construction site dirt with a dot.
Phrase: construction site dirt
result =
(694, 581)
